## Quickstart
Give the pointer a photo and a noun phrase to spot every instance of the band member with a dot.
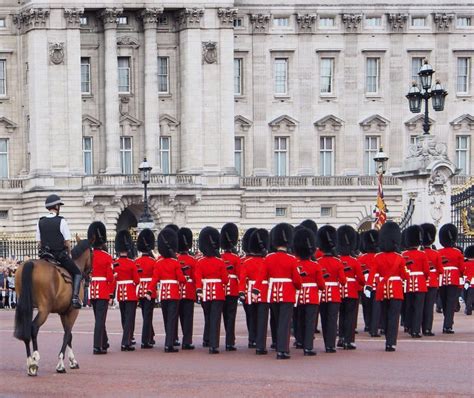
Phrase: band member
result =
(308, 296)
(188, 289)
(419, 271)
(390, 266)
(127, 279)
(333, 271)
(102, 279)
(452, 261)
(145, 264)
(346, 241)
(228, 239)
(469, 279)
(258, 307)
(211, 277)
(283, 279)
(167, 271)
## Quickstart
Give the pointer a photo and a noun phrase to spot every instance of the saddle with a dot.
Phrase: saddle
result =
(66, 275)
(49, 258)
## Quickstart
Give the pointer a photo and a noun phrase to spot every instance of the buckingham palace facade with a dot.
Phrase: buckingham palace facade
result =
(249, 111)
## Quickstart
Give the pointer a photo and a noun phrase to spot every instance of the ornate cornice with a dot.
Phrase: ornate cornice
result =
(150, 16)
(351, 21)
(305, 22)
(73, 17)
(190, 18)
(443, 20)
(260, 22)
(128, 41)
(32, 18)
(227, 16)
(397, 21)
(109, 17)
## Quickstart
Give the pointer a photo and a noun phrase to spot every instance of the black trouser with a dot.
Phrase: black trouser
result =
(428, 309)
(248, 321)
(347, 319)
(214, 311)
(376, 309)
(252, 322)
(439, 303)
(404, 320)
(329, 311)
(273, 326)
(283, 313)
(147, 307)
(391, 311)
(468, 298)
(317, 319)
(169, 309)
(306, 319)
(186, 317)
(67, 263)
(229, 313)
(262, 325)
(366, 310)
(206, 310)
(414, 310)
(100, 308)
(128, 310)
(449, 297)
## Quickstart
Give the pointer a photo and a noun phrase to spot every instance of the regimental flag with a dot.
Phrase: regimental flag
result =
(380, 208)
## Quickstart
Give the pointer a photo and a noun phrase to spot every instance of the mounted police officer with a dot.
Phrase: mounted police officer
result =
(53, 237)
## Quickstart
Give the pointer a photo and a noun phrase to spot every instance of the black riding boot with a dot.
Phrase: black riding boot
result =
(76, 285)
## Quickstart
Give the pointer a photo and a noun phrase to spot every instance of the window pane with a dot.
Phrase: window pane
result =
(326, 156)
(280, 73)
(325, 22)
(238, 76)
(327, 67)
(416, 64)
(3, 86)
(165, 156)
(124, 74)
(3, 158)
(417, 22)
(163, 74)
(373, 21)
(463, 65)
(372, 75)
(85, 75)
(281, 22)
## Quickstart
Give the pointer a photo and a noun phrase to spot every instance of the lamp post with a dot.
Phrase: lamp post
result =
(381, 160)
(415, 95)
(381, 210)
(145, 221)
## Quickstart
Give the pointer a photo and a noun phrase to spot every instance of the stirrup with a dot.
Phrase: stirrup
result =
(76, 303)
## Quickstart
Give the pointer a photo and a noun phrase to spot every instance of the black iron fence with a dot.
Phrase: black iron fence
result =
(462, 213)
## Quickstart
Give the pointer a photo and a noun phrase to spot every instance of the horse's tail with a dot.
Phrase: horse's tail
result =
(24, 308)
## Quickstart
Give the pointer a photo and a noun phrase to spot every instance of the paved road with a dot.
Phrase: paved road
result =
(437, 366)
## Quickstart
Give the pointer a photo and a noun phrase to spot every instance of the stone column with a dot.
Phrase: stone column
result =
(151, 108)
(191, 90)
(112, 125)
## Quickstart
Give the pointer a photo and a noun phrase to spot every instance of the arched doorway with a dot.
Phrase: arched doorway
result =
(365, 225)
(129, 217)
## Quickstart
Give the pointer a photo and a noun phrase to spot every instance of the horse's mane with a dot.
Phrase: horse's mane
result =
(80, 248)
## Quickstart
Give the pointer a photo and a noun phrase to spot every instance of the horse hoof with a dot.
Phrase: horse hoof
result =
(74, 366)
(33, 370)
(61, 370)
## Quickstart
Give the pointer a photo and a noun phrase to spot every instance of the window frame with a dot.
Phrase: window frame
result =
(241, 77)
(82, 19)
(123, 152)
(414, 77)
(129, 69)
(160, 57)
(419, 17)
(167, 151)
(89, 75)
(120, 20)
(281, 18)
(286, 81)
(373, 17)
(6, 153)
(369, 163)
(323, 152)
(466, 17)
(240, 151)
(4, 25)
(330, 93)
(238, 25)
(3, 82)
(327, 17)
(377, 92)
(467, 76)
(466, 151)
(277, 151)
(90, 152)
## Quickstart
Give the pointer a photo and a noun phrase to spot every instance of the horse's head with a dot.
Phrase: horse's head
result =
(82, 255)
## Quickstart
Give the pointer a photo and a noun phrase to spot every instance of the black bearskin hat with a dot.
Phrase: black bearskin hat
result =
(146, 241)
(174, 227)
(246, 239)
(304, 243)
(469, 252)
(370, 241)
(327, 238)
(229, 236)
(390, 237)
(282, 235)
(168, 243)
(429, 234)
(209, 242)
(185, 240)
(311, 225)
(346, 240)
(97, 234)
(448, 234)
(413, 236)
(258, 242)
(124, 242)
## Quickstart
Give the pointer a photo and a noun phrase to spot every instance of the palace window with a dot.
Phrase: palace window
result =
(280, 69)
(163, 75)
(463, 22)
(238, 76)
(326, 156)
(416, 63)
(126, 157)
(372, 22)
(371, 147)
(239, 155)
(326, 211)
(238, 23)
(3, 23)
(326, 22)
(372, 75)
(462, 153)
(281, 156)
(281, 22)
(84, 21)
(418, 22)
(163, 20)
(124, 75)
(85, 75)
(3, 77)
(87, 155)
(123, 20)
(326, 77)
(463, 71)
(3, 157)
(165, 155)
(281, 211)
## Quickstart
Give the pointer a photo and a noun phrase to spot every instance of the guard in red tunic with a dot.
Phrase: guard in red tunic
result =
(126, 279)
(102, 278)
(390, 266)
(436, 269)
(469, 279)
(312, 283)
(281, 273)
(228, 239)
(258, 306)
(211, 279)
(452, 261)
(145, 263)
(346, 241)
(188, 289)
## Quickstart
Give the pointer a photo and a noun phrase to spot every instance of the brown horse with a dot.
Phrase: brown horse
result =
(40, 285)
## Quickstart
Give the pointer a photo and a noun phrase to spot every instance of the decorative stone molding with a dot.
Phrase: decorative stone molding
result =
(417, 122)
(109, 17)
(428, 150)
(92, 122)
(227, 16)
(128, 41)
(329, 122)
(260, 23)
(242, 123)
(374, 122)
(32, 18)
(467, 120)
(130, 121)
(150, 16)
(397, 21)
(351, 21)
(190, 18)
(169, 121)
(283, 122)
(443, 20)
(73, 17)
(123, 106)
(305, 22)
(209, 52)
(10, 127)
(56, 52)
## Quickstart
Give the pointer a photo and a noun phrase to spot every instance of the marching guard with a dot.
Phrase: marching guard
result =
(469, 279)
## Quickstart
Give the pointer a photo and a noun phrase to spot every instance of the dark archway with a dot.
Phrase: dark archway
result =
(128, 219)
(365, 226)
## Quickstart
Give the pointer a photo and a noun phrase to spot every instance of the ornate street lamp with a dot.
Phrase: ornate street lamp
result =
(381, 160)
(381, 210)
(437, 93)
(145, 221)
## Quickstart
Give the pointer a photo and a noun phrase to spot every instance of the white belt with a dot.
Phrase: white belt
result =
(145, 279)
(280, 280)
(309, 284)
(98, 278)
(232, 276)
(350, 279)
(332, 283)
(168, 281)
(416, 273)
(205, 282)
(450, 268)
(126, 282)
(211, 280)
(394, 278)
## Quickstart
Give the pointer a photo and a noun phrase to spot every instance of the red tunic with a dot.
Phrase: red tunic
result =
(318, 254)
(281, 273)
(419, 270)
(332, 267)
(211, 277)
(126, 280)
(146, 264)
(232, 260)
(188, 289)
(452, 261)
(436, 268)
(354, 276)
(469, 271)
(311, 283)
(249, 272)
(102, 276)
(168, 272)
(392, 270)
(367, 261)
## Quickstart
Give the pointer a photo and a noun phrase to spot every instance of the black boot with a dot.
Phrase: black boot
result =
(76, 285)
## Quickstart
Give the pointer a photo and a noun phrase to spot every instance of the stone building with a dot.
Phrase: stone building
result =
(252, 113)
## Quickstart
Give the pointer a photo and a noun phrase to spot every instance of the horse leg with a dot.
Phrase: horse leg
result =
(33, 361)
(68, 322)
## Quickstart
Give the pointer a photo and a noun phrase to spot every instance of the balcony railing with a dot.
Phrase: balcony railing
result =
(316, 181)
(134, 180)
(13, 183)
